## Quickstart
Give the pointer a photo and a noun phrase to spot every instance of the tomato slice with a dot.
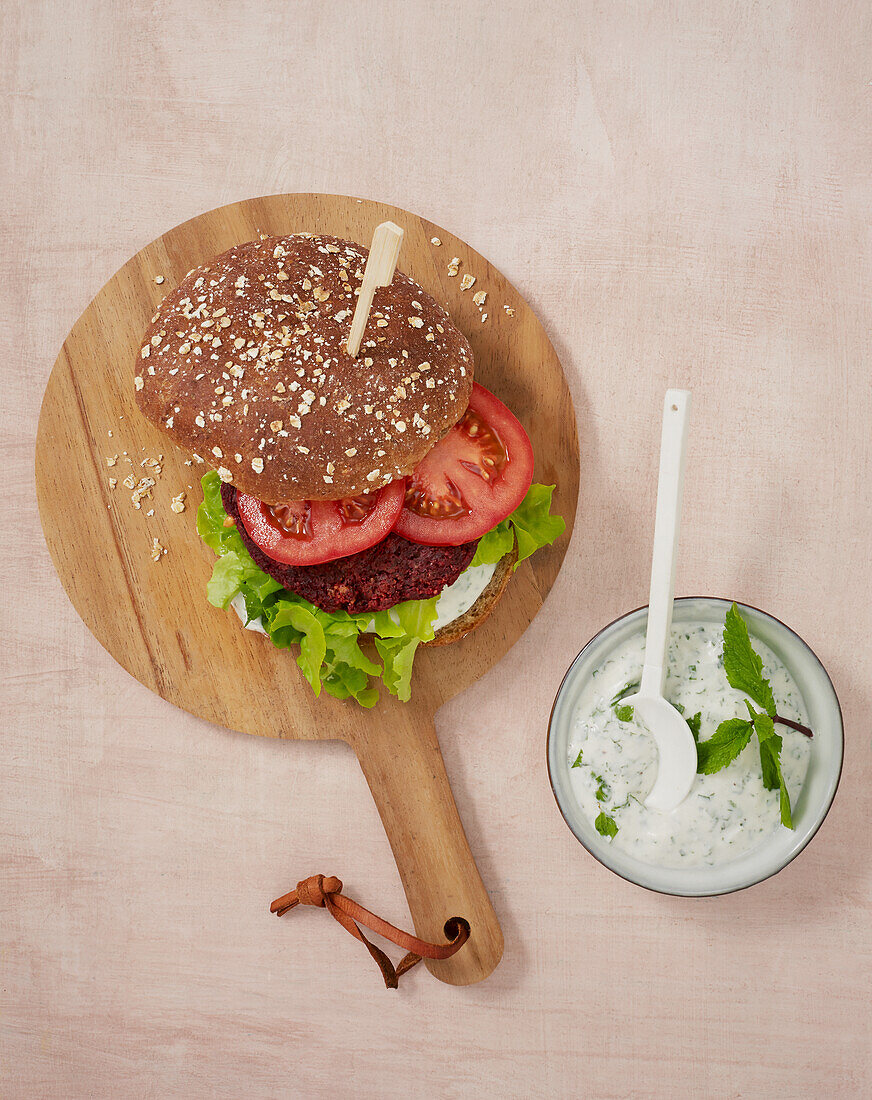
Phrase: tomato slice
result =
(307, 532)
(474, 477)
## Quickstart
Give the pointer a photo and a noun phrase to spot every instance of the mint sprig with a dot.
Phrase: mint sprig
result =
(744, 670)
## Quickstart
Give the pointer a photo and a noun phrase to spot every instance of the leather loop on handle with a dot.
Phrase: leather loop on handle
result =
(326, 893)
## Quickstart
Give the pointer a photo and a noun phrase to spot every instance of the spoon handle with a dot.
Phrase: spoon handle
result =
(676, 412)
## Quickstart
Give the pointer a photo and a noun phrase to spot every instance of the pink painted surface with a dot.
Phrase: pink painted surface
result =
(682, 192)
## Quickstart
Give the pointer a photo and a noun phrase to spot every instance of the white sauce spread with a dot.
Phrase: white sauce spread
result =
(726, 814)
(456, 599)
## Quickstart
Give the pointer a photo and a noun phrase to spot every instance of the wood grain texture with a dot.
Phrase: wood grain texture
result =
(680, 189)
(152, 616)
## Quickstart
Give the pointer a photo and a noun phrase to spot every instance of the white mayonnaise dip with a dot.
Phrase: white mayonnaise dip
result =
(725, 814)
(455, 600)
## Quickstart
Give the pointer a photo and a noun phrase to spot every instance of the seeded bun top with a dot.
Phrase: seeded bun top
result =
(244, 364)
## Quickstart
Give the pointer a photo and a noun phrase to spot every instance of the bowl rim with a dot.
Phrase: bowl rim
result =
(826, 808)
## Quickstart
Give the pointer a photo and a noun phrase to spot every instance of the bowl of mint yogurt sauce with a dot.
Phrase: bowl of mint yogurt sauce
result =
(727, 835)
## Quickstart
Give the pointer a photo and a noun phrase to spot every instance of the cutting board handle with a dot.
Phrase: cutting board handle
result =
(406, 775)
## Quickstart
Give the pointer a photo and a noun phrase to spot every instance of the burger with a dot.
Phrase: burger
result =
(385, 497)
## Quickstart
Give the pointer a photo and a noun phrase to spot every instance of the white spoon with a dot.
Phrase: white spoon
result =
(675, 745)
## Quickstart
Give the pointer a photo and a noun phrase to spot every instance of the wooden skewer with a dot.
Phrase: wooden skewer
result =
(379, 271)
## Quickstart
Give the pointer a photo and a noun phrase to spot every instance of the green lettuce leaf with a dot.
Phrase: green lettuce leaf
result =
(294, 624)
(417, 618)
(230, 573)
(211, 514)
(531, 525)
(534, 525)
(345, 650)
(330, 655)
(398, 655)
(494, 546)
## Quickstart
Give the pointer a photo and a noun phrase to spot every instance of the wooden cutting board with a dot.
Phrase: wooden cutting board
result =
(153, 617)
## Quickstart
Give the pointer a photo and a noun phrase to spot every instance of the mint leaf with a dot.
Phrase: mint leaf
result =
(603, 790)
(744, 668)
(624, 714)
(764, 727)
(694, 724)
(605, 825)
(784, 803)
(724, 746)
(770, 765)
(773, 780)
(577, 762)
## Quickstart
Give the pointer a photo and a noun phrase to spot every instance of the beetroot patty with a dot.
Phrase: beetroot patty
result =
(390, 572)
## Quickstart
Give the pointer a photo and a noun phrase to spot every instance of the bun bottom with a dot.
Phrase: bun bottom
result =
(483, 606)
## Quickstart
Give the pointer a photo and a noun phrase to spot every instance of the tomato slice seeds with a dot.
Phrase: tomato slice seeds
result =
(474, 477)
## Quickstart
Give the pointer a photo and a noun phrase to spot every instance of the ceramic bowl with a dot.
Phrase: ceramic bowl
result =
(815, 799)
